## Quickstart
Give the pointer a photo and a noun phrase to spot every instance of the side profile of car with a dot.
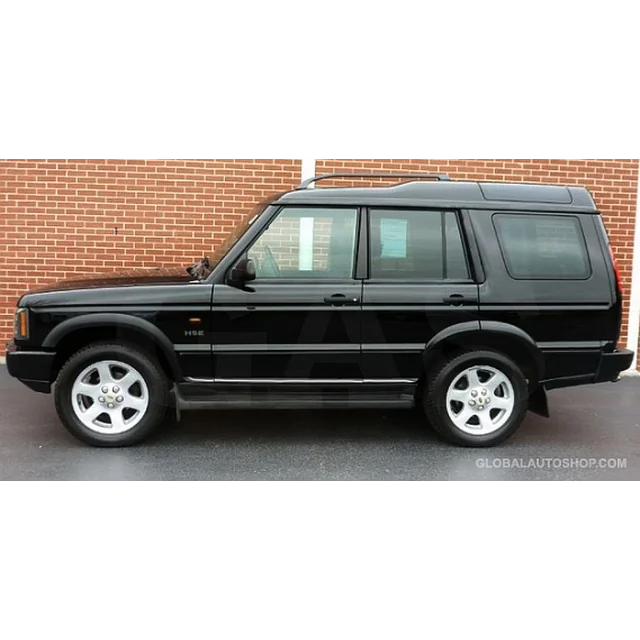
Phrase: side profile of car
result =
(466, 299)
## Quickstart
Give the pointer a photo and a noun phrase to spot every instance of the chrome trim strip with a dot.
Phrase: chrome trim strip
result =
(570, 346)
(266, 348)
(302, 348)
(191, 347)
(418, 346)
(296, 381)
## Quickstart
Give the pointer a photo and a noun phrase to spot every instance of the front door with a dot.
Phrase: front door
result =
(419, 285)
(301, 318)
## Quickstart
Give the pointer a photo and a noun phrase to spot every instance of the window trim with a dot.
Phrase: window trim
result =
(422, 280)
(470, 239)
(581, 236)
(307, 280)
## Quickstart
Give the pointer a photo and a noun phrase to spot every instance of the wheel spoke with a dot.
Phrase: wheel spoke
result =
(463, 417)
(496, 381)
(132, 402)
(502, 403)
(104, 371)
(84, 389)
(458, 395)
(92, 412)
(473, 378)
(117, 420)
(128, 380)
(486, 423)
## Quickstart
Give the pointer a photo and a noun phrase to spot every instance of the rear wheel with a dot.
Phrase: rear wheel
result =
(111, 395)
(477, 399)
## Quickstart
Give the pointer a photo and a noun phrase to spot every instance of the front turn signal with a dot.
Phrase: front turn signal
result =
(21, 324)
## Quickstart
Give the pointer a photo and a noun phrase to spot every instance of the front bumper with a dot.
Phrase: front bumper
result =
(613, 364)
(32, 368)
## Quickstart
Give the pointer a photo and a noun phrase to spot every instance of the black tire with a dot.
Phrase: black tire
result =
(149, 369)
(434, 398)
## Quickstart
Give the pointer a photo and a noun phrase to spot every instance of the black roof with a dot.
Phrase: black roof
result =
(445, 193)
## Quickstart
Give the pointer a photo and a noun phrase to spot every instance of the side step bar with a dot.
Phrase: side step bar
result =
(199, 397)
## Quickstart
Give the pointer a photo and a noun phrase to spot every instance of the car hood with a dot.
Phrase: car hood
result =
(128, 278)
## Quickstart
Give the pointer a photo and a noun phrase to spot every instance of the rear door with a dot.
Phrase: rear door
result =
(419, 284)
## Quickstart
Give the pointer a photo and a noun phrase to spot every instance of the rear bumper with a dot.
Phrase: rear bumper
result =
(609, 367)
(32, 368)
(613, 364)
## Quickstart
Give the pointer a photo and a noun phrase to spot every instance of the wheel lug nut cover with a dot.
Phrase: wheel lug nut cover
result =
(101, 400)
(472, 403)
(105, 389)
(111, 405)
(119, 399)
(116, 389)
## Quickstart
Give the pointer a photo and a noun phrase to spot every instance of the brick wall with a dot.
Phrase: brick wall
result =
(76, 216)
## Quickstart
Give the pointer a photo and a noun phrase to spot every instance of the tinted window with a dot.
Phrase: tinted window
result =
(307, 242)
(543, 247)
(416, 245)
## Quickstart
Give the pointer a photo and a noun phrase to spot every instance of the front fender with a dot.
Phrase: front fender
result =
(115, 320)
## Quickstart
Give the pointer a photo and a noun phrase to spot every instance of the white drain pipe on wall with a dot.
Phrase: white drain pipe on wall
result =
(308, 170)
(634, 302)
(307, 225)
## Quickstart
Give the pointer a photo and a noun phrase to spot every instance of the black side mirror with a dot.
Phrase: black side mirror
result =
(244, 271)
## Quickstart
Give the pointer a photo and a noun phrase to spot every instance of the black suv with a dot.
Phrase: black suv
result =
(465, 299)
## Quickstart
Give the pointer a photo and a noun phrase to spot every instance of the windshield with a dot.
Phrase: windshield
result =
(205, 266)
(227, 244)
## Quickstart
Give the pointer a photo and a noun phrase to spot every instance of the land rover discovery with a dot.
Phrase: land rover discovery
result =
(468, 300)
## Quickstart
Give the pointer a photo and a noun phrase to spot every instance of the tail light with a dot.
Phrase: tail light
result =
(606, 241)
(615, 269)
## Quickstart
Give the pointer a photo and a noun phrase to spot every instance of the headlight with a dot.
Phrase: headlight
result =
(21, 324)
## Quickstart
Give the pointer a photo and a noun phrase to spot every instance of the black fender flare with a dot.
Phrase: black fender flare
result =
(111, 320)
(480, 330)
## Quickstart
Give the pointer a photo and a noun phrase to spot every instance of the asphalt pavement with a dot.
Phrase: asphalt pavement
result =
(593, 434)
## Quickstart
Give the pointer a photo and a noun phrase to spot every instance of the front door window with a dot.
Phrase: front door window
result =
(307, 243)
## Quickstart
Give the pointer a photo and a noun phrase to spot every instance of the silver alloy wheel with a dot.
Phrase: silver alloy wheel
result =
(480, 400)
(110, 397)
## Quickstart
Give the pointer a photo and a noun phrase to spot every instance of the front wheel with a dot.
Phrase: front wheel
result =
(111, 395)
(477, 399)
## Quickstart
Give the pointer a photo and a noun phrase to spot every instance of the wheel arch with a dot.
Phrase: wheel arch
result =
(496, 336)
(74, 333)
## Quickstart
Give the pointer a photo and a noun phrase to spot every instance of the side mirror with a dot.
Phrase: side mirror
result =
(244, 271)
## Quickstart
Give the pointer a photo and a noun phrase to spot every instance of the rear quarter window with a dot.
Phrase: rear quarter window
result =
(542, 247)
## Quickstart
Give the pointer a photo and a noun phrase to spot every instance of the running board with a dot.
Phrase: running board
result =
(198, 397)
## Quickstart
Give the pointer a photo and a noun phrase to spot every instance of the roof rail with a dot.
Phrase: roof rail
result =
(410, 176)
